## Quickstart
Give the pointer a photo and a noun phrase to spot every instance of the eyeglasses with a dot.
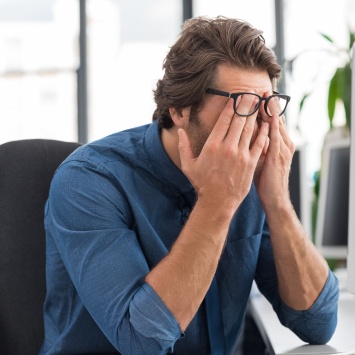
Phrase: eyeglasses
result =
(275, 103)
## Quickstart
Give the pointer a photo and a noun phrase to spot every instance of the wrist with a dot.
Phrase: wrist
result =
(216, 209)
(277, 202)
(279, 210)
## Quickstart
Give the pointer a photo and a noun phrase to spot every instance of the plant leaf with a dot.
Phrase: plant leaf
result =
(351, 39)
(304, 98)
(333, 94)
(326, 37)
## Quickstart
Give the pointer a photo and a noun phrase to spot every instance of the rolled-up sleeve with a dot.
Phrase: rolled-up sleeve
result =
(150, 317)
(317, 324)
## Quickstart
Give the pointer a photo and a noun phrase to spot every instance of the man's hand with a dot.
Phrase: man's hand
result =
(273, 169)
(222, 174)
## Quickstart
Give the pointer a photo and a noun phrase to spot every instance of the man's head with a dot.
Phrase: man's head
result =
(191, 64)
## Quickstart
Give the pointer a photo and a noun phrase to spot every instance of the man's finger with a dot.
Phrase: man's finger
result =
(242, 128)
(284, 132)
(261, 142)
(275, 136)
(223, 123)
(186, 154)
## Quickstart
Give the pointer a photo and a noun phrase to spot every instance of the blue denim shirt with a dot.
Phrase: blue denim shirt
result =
(115, 208)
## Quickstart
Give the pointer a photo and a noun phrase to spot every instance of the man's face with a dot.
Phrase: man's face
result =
(232, 80)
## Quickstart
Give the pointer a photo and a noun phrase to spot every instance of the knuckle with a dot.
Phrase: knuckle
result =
(229, 151)
(213, 145)
(239, 120)
(244, 158)
(225, 120)
(260, 143)
(248, 129)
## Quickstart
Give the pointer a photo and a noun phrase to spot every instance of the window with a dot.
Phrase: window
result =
(38, 40)
(127, 43)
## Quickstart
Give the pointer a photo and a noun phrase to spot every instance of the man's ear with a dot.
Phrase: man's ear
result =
(180, 118)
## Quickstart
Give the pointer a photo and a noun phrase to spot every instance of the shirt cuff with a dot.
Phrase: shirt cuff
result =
(317, 324)
(151, 318)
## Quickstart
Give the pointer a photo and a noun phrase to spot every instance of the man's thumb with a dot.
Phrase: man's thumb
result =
(184, 147)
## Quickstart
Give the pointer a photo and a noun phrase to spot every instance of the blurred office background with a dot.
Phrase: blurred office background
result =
(126, 42)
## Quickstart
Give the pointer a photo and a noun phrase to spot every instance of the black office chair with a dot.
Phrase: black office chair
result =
(26, 169)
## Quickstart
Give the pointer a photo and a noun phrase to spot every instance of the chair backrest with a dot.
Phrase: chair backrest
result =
(26, 170)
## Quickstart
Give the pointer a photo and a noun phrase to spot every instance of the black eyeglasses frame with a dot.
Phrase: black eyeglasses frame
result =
(235, 96)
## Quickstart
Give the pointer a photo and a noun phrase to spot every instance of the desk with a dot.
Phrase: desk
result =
(281, 341)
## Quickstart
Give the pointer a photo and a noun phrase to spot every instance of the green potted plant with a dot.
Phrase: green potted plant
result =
(340, 82)
(339, 91)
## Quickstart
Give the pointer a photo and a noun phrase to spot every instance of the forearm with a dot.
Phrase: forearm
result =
(301, 270)
(183, 277)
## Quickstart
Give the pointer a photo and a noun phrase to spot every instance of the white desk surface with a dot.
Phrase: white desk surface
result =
(281, 341)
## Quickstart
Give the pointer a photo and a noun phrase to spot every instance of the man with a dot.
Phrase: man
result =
(155, 234)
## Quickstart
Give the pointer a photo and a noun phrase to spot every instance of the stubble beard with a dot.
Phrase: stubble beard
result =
(197, 133)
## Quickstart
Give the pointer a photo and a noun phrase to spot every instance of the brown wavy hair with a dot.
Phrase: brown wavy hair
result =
(190, 65)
